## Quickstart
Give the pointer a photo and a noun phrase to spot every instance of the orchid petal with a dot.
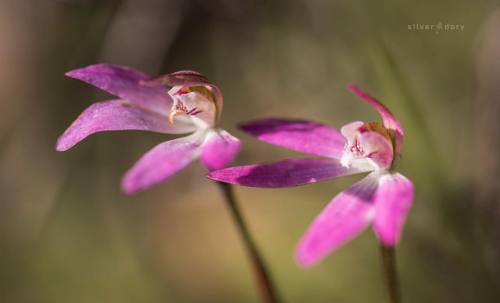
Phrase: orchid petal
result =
(161, 162)
(299, 135)
(346, 216)
(393, 201)
(285, 173)
(390, 121)
(115, 115)
(125, 83)
(219, 149)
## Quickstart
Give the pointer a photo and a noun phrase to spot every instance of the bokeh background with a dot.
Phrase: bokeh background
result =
(67, 233)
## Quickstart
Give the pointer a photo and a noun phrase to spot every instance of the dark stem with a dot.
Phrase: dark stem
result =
(262, 275)
(390, 273)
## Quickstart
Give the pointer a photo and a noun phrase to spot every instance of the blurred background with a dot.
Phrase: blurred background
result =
(67, 233)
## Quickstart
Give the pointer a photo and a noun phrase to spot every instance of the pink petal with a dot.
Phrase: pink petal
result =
(112, 116)
(161, 162)
(125, 82)
(388, 118)
(299, 135)
(285, 173)
(393, 201)
(219, 149)
(346, 216)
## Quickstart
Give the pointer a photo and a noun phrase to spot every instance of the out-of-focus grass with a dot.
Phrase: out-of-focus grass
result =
(68, 234)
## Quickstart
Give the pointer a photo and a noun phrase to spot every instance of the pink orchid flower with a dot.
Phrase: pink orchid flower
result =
(383, 198)
(178, 103)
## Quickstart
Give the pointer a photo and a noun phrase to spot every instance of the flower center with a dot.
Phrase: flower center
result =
(193, 101)
(367, 144)
(356, 148)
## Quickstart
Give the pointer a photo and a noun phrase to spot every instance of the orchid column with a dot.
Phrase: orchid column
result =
(183, 102)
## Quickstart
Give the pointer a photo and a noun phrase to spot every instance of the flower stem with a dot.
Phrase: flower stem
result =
(262, 275)
(390, 273)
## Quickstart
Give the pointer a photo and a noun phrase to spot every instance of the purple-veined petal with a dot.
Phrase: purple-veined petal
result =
(393, 201)
(390, 121)
(125, 82)
(285, 173)
(299, 135)
(219, 149)
(346, 216)
(116, 115)
(161, 162)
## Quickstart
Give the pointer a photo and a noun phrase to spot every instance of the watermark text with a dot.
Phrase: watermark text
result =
(437, 28)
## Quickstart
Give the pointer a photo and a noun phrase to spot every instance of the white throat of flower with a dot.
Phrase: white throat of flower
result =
(351, 160)
(368, 146)
(192, 106)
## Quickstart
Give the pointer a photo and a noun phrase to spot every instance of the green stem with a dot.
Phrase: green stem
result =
(390, 273)
(262, 274)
